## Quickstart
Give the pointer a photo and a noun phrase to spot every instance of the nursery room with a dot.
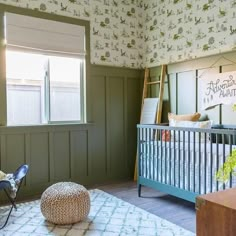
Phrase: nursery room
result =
(117, 117)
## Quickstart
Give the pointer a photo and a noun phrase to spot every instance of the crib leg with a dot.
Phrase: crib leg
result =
(139, 190)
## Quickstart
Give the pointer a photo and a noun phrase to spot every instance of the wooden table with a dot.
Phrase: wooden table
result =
(216, 213)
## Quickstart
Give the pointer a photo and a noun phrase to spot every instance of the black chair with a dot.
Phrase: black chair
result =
(5, 185)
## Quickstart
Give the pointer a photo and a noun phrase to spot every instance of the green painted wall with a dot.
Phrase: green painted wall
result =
(101, 151)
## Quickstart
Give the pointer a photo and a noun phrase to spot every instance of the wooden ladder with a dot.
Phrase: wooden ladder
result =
(146, 84)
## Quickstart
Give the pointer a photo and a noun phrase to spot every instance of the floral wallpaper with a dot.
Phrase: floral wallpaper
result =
(147, 33)
(178, 30)
(116, 26)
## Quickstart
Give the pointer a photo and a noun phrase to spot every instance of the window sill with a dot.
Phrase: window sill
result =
(48, 126)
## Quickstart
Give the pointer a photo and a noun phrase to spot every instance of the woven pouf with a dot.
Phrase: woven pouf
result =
(65, 203)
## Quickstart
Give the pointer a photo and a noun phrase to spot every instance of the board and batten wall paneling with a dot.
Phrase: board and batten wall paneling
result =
(185, 90)
(166, 100)
(116, 111)
(115, 117)
(98, 152)
(3, 156)
(133, 117)
(15, 151)
(98, 100)
(61, 156)
(53, 154)
(173, 92)
(228, 115)
(39, 157)
(214, 112)
(79, 154)
(3, 108)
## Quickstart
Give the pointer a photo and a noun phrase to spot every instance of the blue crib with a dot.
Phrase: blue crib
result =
(183, 161)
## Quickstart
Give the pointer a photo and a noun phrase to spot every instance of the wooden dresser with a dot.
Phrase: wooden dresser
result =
(216, 213)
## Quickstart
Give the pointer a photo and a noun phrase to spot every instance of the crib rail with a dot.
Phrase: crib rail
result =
(183, 161)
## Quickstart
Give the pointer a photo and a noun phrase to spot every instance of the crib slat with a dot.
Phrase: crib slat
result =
(161, 166)
(139, 153)
(194, 163)
(146, 148)
(211, 167)
(231, 180)
(158, 159)
(217, 160)
(183, 159)
(223, 140)
(154, 157)
(165, 162)
(179, 158)
(143, 150)
(200, 164)
(174, 158)
(170, 161)
(148, 157)
(189, 166)
(205, 164)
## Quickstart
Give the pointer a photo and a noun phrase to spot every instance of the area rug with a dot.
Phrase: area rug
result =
(109, 216)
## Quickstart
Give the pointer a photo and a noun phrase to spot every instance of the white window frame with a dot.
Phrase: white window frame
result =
(46, 114)
(47, 89)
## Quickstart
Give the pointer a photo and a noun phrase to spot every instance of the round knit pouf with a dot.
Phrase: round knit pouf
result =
(65, 203)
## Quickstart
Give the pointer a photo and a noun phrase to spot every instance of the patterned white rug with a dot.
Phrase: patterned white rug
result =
(109, 216)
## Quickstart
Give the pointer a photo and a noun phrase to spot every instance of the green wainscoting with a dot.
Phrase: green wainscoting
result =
(53, 153)
(101, 151)
(116, 96)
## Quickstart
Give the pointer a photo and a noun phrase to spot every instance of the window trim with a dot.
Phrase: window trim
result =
(65, 19)
(46, 106)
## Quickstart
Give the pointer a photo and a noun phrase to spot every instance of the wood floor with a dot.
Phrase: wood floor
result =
(173, 209)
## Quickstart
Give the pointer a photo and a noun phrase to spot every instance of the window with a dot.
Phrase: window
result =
(25, 87)
(43, 89)
(64, 84)
(44, 71)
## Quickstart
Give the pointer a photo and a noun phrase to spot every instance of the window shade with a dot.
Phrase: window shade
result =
(25, 32)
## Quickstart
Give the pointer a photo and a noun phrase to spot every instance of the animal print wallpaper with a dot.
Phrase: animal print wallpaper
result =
(116, 32)
(178, 30)
(147, 33)
(116, 26)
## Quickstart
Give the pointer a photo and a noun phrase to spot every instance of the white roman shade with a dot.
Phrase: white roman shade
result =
(31, 33)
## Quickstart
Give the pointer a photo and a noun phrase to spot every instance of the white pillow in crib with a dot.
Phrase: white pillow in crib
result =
(190, 124)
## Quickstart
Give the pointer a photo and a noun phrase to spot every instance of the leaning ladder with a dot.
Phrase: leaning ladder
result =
(146, 84)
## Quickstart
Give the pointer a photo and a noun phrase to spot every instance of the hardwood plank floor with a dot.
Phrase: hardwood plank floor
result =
(175, 210)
